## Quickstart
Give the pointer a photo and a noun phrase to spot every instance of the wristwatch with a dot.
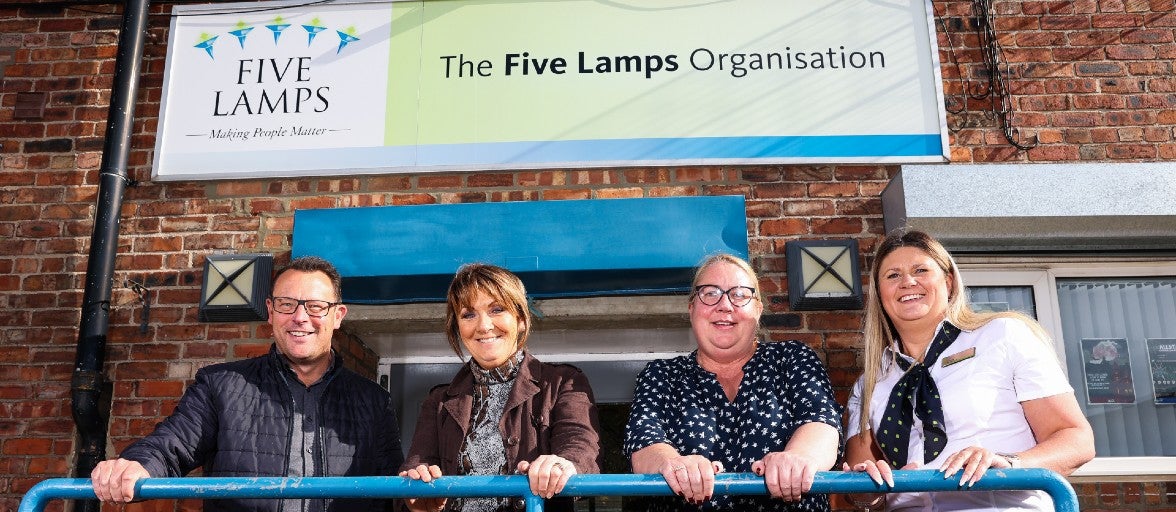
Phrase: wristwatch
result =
(1013, 459)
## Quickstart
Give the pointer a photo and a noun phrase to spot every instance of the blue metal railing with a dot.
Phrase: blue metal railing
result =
(1064, 498)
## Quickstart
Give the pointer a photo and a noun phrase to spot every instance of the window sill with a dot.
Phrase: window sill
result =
(1126, 469)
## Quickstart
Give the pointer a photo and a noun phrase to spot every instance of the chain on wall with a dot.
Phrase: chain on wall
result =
(995, 89)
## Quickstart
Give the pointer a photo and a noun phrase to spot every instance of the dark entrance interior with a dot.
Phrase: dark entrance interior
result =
(612, 434)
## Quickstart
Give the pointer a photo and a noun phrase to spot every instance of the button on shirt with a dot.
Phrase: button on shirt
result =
(678, 402)
(304, 438)
(982, 397)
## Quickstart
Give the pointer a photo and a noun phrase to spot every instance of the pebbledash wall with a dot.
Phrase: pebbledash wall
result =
(1092, 81)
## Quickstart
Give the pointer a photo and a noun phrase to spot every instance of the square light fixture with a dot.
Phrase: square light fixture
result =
(823, 275)
(235, 287)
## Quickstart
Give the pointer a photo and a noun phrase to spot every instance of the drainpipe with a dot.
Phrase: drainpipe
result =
(90, 410)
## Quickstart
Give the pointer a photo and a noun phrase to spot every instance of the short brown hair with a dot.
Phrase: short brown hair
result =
(498, 283)
(313, 264)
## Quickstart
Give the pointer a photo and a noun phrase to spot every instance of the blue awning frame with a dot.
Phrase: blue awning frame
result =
(576, 248)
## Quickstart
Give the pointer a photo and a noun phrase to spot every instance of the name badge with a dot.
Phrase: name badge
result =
(957, 357)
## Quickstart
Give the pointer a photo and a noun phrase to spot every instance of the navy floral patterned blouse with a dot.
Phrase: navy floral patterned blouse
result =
(679, 403)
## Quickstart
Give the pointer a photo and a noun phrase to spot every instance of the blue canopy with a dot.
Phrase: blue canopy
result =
(400, 254)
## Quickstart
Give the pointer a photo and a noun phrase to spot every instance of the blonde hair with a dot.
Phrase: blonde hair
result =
(880, 331)
(724, 258)
(496, 282)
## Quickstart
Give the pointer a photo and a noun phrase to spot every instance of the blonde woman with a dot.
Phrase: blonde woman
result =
(735, 404)
(954, 390)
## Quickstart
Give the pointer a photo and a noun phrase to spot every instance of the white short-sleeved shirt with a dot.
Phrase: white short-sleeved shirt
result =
(982, 398)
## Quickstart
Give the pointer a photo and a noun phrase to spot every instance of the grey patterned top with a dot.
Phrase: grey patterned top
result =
(483, 453)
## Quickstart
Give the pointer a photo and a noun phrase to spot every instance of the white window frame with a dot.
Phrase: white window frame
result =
(1042, 275)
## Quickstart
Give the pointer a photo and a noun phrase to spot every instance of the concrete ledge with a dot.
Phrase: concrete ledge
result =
(1033, 207)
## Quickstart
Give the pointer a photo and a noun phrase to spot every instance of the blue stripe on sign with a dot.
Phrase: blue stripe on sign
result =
(807, 147)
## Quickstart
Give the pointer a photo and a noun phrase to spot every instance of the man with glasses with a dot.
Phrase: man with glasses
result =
(294, 412)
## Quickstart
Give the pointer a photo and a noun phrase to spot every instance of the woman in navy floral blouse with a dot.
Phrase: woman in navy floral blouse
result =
(735, 404)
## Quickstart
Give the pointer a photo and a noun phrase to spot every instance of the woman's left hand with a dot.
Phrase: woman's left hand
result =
(974, 460)
(788, 475)
(548, 474)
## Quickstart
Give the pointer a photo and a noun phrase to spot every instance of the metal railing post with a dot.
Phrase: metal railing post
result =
(534, 502)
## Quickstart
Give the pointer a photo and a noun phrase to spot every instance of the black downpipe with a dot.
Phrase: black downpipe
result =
(90, 409)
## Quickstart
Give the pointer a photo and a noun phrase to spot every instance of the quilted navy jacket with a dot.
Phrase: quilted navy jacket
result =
(235, 421)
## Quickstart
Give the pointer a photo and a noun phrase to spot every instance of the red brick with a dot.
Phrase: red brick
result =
(239, 188)
(412, 199)
(780, 190)
(853, 173)
(562, 194)
(542, 178)
(362, 200)
(48, 466)
(27, 446)
(1131, 151)
(700, 174)
(859, 207)
(783, 227)
(646, 176)
(833, 189)
(157, 389)
(514, 195)
(617, 193)
(808, 173)
(490, 180)
(439, 181)
(672, 191)
(763, 208)
(244, 350)
(834, 321)
(840, 225)
(768, 174)
(261, 205)
(312, 203)
(592, 177)
(18, 212)
(394, 182)
(337, 185)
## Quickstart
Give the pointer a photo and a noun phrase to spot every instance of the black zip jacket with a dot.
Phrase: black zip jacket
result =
(235, 420)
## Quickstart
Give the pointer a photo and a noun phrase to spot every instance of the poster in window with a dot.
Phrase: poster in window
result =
(1107, 366)
(1162, 354)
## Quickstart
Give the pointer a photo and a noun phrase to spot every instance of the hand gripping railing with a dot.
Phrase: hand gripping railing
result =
(515, 486)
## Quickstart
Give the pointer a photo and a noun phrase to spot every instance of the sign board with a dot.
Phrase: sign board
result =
(1107, 369)
(295, 89)
(1162, 355)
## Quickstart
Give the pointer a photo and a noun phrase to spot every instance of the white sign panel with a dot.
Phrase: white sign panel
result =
(284, 89)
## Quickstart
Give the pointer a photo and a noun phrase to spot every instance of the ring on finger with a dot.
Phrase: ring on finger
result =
(677, 467)
(558, 465)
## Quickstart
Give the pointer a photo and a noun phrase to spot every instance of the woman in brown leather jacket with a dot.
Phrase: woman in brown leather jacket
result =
(504, 412)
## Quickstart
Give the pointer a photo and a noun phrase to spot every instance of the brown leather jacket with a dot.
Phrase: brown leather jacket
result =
(550, 410)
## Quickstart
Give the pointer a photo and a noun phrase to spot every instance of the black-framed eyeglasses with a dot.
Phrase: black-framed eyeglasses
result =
(315, 308)
(710, 294)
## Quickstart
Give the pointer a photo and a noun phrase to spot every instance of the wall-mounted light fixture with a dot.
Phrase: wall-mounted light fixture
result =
(823, 275)
(235, 287)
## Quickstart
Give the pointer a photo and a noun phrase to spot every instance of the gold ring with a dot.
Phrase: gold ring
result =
(558, 465)
(678, 467)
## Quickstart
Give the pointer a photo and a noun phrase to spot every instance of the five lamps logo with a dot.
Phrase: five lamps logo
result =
(247, 84)
(274, 72)
(278, 26)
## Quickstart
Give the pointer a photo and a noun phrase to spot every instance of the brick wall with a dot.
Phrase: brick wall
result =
(1126, 496)
(1092, 81)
